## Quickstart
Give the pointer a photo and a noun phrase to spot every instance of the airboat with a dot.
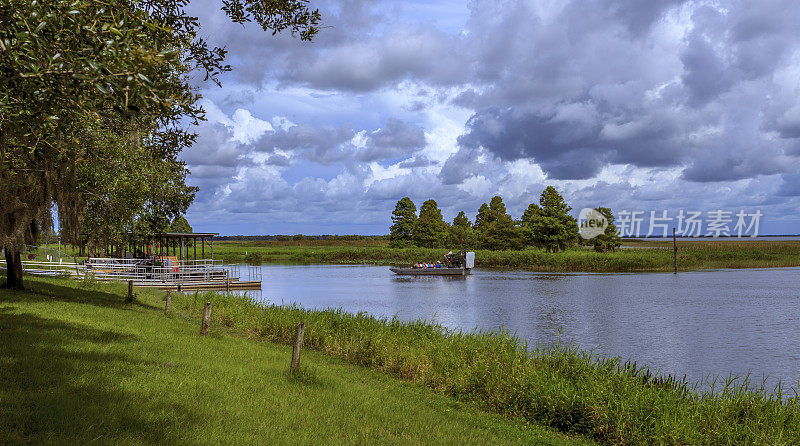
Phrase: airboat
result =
(460, 264)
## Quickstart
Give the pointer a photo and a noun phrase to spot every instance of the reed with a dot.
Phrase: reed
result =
(556, 385)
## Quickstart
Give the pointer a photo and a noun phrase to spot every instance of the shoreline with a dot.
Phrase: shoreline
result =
(559, 386)
(636, 257)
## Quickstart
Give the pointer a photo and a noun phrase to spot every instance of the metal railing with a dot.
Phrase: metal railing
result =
(147, 271)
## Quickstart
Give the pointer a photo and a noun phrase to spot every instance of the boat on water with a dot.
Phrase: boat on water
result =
(460, 264)
(430, 271)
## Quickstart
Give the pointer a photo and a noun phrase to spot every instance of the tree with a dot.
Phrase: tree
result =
(404, 217)
(609, 240)
(462, 221)
(483, 217)
(461, 232)
(180, 224)
(430, 229)
(496, 229)
(492, 212)
(136, 195)
(549, 224)
(122, 64)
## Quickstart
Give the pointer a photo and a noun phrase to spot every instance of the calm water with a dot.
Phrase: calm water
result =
(695, 323)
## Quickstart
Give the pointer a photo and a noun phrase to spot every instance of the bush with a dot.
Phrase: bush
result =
(254, 258)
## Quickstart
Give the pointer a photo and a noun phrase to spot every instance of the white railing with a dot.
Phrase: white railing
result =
(146, 271)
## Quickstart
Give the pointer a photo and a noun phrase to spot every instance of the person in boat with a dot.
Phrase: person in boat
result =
(454, 260)
(450, 260)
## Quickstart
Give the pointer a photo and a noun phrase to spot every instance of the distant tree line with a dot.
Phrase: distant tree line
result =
(545, 225)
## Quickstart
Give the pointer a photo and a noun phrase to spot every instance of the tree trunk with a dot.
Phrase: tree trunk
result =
(13, 269)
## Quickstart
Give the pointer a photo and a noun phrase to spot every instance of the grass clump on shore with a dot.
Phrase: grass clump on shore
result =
(556, 385)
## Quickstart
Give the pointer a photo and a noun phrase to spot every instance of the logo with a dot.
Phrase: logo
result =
(591, 223)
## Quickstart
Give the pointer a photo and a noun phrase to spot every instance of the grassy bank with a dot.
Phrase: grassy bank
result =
(559, 386)
(638, 256)
(79, 366)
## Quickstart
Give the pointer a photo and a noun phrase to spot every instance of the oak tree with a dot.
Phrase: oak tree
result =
(67, 67)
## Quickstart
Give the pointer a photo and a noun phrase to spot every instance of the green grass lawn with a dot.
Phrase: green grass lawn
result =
(77, 365)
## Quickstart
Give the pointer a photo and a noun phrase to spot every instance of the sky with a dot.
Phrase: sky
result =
(648, 106)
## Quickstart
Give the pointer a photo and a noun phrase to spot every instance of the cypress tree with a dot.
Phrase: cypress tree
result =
(549, 224)
(404, 217)
(430, 230)
(609, 240)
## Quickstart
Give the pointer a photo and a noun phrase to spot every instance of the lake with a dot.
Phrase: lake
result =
(694, 323)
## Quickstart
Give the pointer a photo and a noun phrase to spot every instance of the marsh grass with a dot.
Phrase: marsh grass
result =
(641, 256)
(557, 385)
(637, 255)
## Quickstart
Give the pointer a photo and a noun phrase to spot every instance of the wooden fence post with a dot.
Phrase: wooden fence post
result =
(130, 292)
(168, 304)
(206, 319)
(674, 252)
(298, 344)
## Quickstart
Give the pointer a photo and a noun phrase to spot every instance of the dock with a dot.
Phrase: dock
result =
(155, 269)
(189, 275)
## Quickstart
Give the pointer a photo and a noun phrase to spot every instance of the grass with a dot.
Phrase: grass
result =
(557, 385)
(78, 365)
(637, 256)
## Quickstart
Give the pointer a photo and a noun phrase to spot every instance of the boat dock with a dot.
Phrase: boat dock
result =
(154, 267)
(164, 274)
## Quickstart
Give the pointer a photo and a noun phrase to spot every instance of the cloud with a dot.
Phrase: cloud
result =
(215, 148)
(417, 161)
(620, 102)
(395, 139)
(321, 144)
(790, 185)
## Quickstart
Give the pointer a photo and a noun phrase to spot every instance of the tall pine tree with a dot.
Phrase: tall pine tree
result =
(496, 229)
(404, 217)
(609, 240)
(430, 230)
(549, 224)
(462, 234)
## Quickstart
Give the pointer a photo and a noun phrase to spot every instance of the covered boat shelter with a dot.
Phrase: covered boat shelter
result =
(179, 243)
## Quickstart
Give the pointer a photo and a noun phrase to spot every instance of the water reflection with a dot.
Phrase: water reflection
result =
(696, 323)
